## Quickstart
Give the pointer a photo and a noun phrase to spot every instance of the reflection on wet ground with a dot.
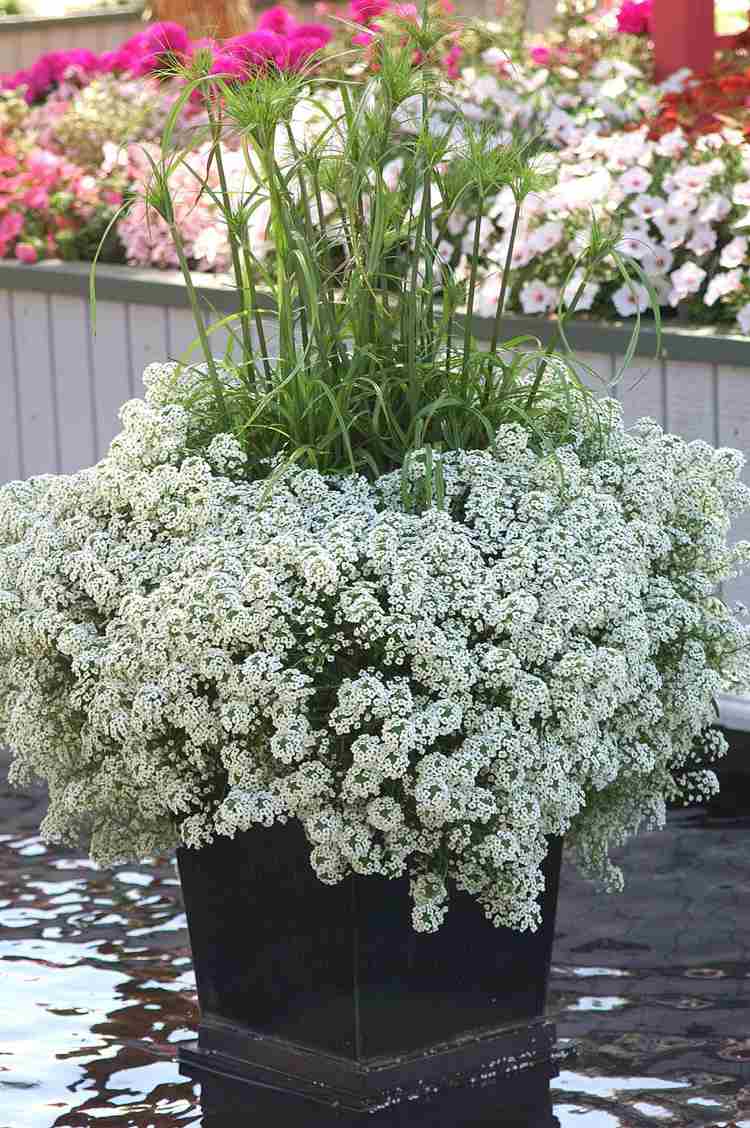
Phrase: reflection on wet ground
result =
(96, 990)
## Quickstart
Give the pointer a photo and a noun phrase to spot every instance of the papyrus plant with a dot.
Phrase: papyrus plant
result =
(352, 342)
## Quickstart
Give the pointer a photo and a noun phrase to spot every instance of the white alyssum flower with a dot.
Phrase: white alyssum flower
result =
(431, 692)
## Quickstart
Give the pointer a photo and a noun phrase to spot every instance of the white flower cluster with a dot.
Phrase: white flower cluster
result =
(432, 692)
(684, 203)
(685, 213)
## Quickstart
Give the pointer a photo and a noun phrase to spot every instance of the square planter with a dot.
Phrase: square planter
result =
(327, 991)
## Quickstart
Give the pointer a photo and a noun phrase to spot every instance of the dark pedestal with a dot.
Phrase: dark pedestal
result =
(520, 1102)
(328, 992)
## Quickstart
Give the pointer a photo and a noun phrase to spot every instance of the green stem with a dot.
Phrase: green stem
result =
(259, 327)
(247, 340)
(553, 345)
(506, 276)
(472, 289)
(198, 318)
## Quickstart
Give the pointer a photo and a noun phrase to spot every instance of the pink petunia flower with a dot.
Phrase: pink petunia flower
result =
(365, 11)
(36, 198)
(634, 17)
(257, 48)
(541, 55)
(277, 20)
(24, 252)
(11, 226)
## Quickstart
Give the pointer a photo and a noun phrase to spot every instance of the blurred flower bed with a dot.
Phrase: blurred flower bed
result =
(669, 163)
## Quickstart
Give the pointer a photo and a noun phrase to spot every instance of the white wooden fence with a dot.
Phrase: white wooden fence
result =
(24, 38)
(61, 387)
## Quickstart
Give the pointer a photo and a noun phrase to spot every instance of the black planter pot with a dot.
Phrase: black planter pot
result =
(327, 992)
(733, 800)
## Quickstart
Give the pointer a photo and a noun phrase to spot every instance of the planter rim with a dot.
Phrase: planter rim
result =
(108, 15)
(734, 712)
(147, 285)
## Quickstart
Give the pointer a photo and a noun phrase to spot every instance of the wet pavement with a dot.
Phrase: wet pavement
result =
(97, 990)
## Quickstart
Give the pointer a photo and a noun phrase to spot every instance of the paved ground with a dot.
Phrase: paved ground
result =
(653, 985)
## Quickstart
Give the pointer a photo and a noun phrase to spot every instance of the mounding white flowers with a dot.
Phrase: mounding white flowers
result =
(432, 670)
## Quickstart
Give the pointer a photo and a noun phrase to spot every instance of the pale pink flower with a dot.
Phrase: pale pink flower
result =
(545, 237)
(682, 199)
(635, 180)
(710, 142)
(486, 231)
(703, 240)
(631, 298)
(734, 253)
(685, 281)
(743, 318)
(659, 260)
(537, 297)
(646, 207)
(588, 295)
(672, 144)
(635, 243)
(488, 295)
(694, 177)
(673, 226)
(741, 194)
(716, 208)
(523, 253)
(723, 284)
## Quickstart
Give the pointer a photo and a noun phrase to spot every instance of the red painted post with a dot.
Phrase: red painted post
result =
(683, 34)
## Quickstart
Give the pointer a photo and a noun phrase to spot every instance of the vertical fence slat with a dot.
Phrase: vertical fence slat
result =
(10, 454)
(71, 363)
(111, 383)
(641, 390)
(9, 51)
(36, 384)
(182, 333)
(148, 338)
(599, 378)
(690, 400)
(734, 431)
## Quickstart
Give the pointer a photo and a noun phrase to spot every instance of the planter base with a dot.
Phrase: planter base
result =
(521, 1102)
(497, 1056)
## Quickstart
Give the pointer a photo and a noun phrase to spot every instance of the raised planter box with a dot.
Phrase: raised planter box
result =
(24, 38)
(61, 388)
